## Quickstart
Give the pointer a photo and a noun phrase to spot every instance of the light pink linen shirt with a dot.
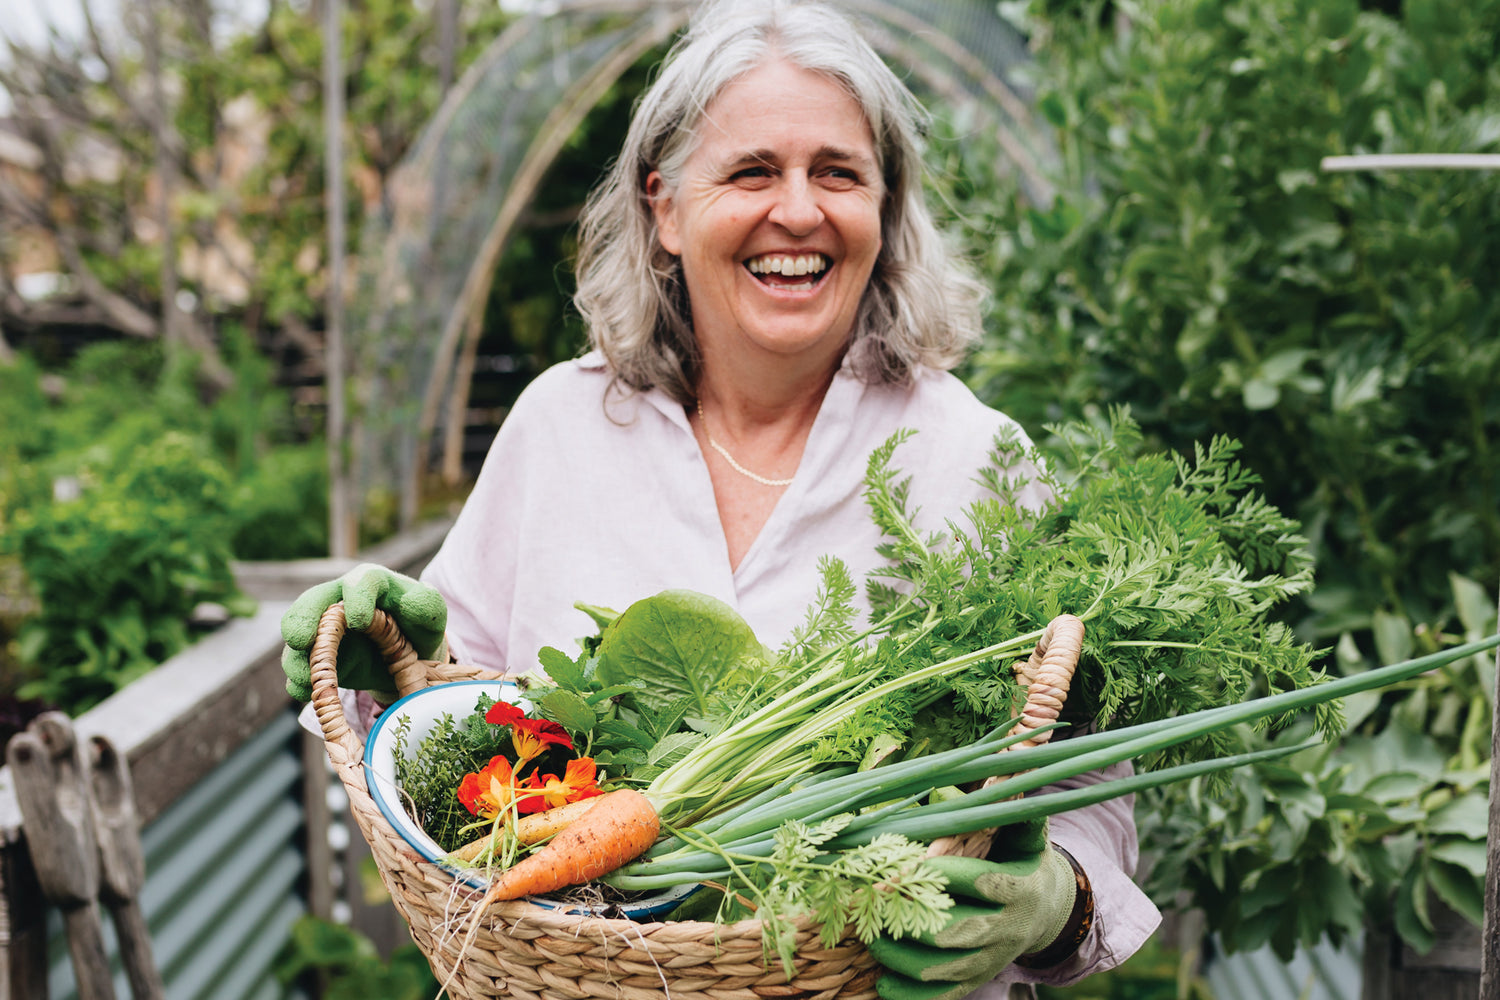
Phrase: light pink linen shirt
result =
(607, 501)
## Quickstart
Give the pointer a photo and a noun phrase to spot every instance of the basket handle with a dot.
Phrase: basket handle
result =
(1047, 675)
(409, 671)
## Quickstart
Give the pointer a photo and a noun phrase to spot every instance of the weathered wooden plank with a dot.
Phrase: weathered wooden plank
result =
(23, 924)
(122, 866)
(52, 789)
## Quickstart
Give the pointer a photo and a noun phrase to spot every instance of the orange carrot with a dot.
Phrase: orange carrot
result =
(618, 829)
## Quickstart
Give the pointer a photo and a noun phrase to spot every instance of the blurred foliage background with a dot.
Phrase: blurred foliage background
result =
(1196, 265)
(1199, 267)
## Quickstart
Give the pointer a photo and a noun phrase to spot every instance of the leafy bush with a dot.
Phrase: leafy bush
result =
(350, 965)
(1385, 821)
(124, 495)
(119, 568)
(280, 508)
(1199, 266)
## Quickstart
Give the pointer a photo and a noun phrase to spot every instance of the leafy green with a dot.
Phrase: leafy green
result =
(1381, 821)
(678, 644)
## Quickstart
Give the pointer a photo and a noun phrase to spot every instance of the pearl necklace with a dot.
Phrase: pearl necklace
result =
(737, 467)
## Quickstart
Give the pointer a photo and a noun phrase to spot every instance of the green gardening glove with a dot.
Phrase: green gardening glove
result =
(418, 609)
(1003, 909)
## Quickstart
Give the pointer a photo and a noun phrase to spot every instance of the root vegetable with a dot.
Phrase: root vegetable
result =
(618, 828)
(531, 829)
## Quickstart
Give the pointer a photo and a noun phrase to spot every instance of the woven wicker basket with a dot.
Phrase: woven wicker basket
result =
(522, 950)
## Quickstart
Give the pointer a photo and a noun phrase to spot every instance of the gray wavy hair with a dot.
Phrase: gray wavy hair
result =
(921, 307)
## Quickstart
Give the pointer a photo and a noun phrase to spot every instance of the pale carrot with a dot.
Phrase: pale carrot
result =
(530, 829)
(619, 828)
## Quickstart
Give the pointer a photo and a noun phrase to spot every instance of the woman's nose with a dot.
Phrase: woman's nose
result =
(796, 209)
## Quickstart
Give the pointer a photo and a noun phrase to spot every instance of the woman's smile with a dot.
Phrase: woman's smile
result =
(776, 217)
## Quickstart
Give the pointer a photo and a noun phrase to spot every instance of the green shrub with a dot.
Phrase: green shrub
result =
(119, 568)
(280, 509)
(350, 966)
(124, 493)
(1199, 266)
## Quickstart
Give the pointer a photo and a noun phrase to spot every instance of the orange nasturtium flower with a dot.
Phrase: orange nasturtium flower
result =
(578, 782)
(532, 737)
(490, 792)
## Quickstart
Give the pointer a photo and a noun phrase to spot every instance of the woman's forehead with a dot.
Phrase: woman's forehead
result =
(764, 110)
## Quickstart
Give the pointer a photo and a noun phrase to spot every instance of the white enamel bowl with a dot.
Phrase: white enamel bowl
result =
(425, 708)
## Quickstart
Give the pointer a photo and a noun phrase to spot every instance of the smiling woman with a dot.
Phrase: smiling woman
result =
(769, 303)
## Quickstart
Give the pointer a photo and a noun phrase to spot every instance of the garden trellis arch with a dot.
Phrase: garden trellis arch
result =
(428, 256)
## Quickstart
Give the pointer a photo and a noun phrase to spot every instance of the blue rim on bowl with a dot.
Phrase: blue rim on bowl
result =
(425, 708)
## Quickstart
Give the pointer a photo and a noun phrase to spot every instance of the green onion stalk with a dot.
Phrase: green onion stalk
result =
(898, 796)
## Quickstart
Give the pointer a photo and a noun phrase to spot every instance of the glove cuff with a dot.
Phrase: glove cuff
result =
(1080, 921)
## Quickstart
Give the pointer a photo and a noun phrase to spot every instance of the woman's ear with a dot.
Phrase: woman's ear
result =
(661, 208)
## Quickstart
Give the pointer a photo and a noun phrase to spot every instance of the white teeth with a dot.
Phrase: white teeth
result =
(806, 263)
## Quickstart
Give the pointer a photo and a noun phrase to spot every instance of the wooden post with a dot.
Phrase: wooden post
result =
(342, 533)
(122, 866)
(52, 788)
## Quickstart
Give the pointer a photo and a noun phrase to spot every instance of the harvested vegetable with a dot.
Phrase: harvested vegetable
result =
(615, 830)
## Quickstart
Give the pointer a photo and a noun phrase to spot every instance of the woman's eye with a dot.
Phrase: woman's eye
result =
(750, 173)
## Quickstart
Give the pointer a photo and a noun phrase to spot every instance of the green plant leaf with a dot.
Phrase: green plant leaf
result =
(1412, 921)
(679, 643)
(562, 669)
(1475, 608)
(1460, 889)
(1470, 855)
(1465, 816)
(1396, 787)
(569, 710)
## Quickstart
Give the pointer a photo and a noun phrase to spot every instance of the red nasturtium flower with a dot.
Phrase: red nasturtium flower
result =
(495, 787)
(578, 782)
(490, 791)
(532, 737)
(503, 714)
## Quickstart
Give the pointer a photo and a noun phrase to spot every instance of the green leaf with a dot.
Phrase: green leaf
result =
(1475, 609)
(672, 748)
(1466, 816)
(1412, 922)
(1460, 889)
(1470, 855)
(602, 616)
(569, 710)
(679, 643)
(621, 731)
(1396, 787)
(561, 669)
(1393, 639)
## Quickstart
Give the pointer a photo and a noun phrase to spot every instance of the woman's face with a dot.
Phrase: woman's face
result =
(777, 216)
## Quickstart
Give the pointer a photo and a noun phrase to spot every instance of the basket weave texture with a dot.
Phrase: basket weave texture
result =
(524, 950)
